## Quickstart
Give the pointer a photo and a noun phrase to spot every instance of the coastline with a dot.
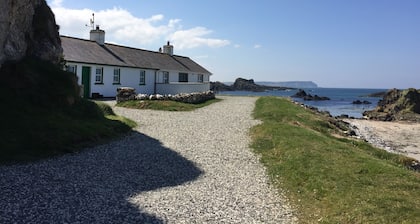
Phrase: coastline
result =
(392, 136)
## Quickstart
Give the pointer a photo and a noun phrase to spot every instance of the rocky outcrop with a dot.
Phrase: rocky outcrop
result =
(397, 105)
(219, 86)
(28, 29)
(242, 84)
(308, 97)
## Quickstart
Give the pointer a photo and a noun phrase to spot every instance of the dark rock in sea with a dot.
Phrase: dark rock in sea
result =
(308, 97)
(377, 94)
(397, 105)
(300, 94)
(361, 102)
(219, 86)
(242, 84)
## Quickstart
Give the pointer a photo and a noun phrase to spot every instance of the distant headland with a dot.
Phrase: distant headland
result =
(242, 84)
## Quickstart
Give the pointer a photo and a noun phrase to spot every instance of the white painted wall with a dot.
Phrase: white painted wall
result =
(130, 77)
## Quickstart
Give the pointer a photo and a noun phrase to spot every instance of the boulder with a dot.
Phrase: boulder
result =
(125, 94)
(28, 29)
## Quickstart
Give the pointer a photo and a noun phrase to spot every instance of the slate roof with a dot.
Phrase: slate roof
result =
(90, 52)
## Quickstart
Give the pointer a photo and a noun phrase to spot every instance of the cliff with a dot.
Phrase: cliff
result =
(397, 105)
(28, 29)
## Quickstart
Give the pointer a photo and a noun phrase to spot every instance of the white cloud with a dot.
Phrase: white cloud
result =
(191, 38)
(237, 46)
(256, 46)
(56, 3)
(123, 27)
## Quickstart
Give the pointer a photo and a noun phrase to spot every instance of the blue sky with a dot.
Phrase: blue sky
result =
(352, 43)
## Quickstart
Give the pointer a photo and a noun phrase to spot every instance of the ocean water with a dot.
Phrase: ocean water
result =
(341, 99)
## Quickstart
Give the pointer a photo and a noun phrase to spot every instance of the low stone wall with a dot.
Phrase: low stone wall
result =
(127, 93)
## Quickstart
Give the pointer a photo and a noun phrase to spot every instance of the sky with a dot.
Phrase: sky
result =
(334, 43)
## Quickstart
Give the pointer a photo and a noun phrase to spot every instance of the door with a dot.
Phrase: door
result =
(86, 81)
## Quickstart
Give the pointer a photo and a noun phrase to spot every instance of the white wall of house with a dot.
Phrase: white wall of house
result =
(130, 77)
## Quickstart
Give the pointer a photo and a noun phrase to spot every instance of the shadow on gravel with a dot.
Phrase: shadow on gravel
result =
(93, 186)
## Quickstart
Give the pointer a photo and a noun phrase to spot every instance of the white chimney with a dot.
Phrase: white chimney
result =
(168, 49)
(98, 35)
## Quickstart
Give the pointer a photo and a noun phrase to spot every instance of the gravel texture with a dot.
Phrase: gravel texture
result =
(177, 167)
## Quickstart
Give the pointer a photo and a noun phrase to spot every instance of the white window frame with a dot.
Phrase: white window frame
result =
(142, 79)
(116, 78)
(99, 75)
(165, 77)
(71, 68)
(200, 78)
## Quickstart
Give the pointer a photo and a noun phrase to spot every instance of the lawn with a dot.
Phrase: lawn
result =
(331, 179)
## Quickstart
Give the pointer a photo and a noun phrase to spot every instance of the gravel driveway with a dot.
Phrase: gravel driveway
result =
(177, 167)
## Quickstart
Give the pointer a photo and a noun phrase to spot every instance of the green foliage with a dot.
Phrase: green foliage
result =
(166, 105)
(43, 116)
(331, 179)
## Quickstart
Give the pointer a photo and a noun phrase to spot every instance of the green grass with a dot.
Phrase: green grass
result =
(331, 179)
(42, 115)
(166, 105)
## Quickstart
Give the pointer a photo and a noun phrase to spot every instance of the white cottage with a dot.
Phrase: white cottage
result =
(102, 68)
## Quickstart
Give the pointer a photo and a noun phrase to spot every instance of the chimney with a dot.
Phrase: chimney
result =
(168, 49)
(98, 35)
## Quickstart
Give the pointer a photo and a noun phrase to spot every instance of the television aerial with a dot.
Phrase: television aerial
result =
(92, 22)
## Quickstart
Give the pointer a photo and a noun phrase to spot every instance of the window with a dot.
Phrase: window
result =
(117, 76)
(71, 68)
(183, 77)
(200, 78)
(99, 76)
(142, 77)
(166, 77)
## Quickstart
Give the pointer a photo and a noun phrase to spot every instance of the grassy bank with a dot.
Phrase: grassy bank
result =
(166, 105)
(331, 179)
(42, 116)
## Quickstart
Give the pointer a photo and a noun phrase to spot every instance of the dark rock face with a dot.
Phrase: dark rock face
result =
(308, 97)
(248, 85)
(397, 105)
(28, 29)
(218, 86)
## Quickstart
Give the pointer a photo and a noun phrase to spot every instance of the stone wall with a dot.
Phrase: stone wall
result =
(127, 93)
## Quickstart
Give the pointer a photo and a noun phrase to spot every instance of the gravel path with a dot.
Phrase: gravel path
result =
(178, 167)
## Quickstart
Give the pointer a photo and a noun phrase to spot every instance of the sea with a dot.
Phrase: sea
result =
(340, 103)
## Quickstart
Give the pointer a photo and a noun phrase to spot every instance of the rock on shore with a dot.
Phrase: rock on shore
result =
(397, 105)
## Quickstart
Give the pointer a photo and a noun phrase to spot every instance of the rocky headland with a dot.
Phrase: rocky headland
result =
(397, 105)
(242, 84)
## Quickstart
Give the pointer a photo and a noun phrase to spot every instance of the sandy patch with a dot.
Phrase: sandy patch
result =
(396, 137)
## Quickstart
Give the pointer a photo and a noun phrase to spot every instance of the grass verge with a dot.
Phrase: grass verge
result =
(36, 133)
(42, 114)
(330, 179)
(166, 105)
